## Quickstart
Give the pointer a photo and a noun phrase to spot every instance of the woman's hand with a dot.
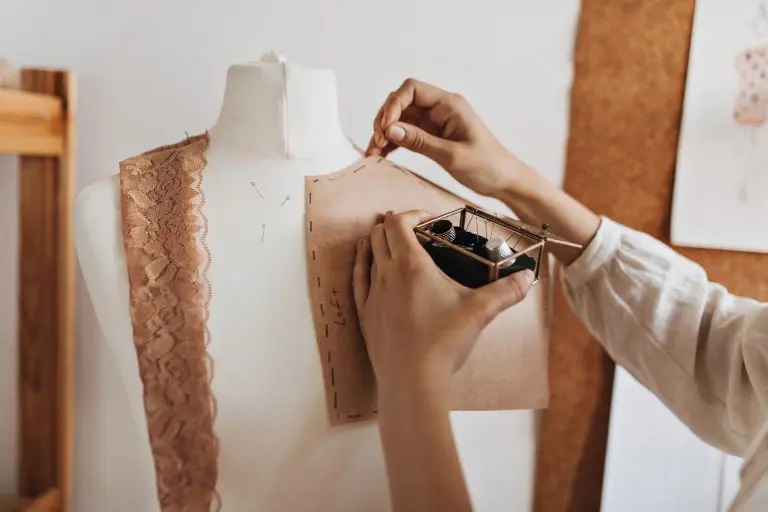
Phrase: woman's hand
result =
(419, 327)
(418, 324)
(442, 126)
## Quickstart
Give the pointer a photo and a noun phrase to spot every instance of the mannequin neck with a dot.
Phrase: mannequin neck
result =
(275, 110)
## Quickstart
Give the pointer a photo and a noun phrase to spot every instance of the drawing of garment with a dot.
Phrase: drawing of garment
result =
(751, 110)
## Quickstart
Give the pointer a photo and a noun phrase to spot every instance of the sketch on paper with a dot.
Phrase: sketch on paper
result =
(721, 183)
(751, 106)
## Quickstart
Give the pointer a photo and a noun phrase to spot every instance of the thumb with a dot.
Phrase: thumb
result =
(495, 297)
(418, 140)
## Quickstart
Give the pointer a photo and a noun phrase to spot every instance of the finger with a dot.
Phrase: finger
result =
(419, 140)
(388, 149)
(374, 273)
(378, 131)
(372, 148)
(381, 216)
(412, 92)
(361, 275)
(414, 115)
(399, 231)
(379, 245)
(495, 297)
(422, 118)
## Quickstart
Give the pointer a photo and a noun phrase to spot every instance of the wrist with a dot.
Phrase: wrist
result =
(414, 388)
(537, 201)
(412, 409)
(522, 187)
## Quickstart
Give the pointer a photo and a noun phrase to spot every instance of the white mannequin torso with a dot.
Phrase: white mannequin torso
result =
(278, 123)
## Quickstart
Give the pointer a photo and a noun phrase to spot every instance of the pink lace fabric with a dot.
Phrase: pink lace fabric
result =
(164, 231)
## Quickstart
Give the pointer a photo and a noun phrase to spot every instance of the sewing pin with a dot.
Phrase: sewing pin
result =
(253, 184)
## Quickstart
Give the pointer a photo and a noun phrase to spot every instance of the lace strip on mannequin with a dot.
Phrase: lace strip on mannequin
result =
(164, 230)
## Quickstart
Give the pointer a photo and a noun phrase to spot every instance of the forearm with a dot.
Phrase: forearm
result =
(422, 462)
(686, 339)
(537, 201)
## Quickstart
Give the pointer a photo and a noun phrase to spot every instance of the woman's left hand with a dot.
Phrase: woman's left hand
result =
(418, 324)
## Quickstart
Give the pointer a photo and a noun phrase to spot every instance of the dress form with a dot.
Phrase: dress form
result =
(278, 123)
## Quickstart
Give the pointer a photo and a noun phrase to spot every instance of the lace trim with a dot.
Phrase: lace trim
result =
(164, 231)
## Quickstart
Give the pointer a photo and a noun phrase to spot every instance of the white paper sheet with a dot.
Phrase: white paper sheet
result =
(721, 184)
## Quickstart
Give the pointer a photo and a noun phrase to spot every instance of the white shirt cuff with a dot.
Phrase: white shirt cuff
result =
(597, 253)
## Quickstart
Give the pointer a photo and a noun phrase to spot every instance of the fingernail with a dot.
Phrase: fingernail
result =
(396, 133)
(529, 276)
(379, 140)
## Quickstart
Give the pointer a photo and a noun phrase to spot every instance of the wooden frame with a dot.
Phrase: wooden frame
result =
(38, 124)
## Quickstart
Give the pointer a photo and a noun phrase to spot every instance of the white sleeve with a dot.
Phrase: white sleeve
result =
(701, 350)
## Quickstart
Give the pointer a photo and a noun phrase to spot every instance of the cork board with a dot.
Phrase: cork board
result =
(626, 106)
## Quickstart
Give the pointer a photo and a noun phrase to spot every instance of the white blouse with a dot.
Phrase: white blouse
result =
(701, 350)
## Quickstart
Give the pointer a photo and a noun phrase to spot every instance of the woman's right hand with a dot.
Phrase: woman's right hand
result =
(442, 126)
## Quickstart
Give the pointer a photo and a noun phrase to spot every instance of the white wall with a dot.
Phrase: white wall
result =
(730, 481)
(149, 71)
(654, 462)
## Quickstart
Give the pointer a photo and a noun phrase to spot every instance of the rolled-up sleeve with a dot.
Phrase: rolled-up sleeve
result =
(700, 349)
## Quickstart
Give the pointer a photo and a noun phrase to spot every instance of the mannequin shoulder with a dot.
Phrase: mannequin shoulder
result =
(97, 218)
(98, 199)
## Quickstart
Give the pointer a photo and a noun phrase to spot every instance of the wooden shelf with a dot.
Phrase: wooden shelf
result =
(37, 124)
(48, 502)
(10, 503)
(31, 123)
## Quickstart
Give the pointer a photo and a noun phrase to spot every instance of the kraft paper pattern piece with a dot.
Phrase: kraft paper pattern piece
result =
(507, 369)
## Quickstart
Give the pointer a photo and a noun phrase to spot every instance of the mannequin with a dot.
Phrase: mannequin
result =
(278, 451)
